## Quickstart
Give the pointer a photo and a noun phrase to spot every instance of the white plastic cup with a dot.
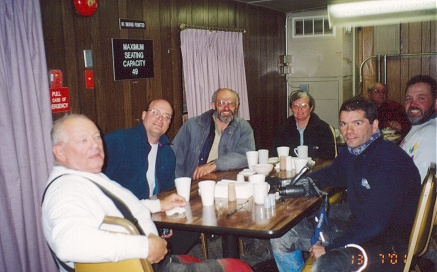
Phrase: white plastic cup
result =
(283, 151)
(263, 156)
(260, 191)
(301, 151)
(299, 164)
(257, 178)
(183, 187)
(207, 191)
(252, 158)
(289, 164)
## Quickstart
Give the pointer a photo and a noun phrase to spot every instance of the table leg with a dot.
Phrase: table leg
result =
(231, 246)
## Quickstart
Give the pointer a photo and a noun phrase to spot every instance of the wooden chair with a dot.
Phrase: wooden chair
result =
(132, 265)
(424, 221)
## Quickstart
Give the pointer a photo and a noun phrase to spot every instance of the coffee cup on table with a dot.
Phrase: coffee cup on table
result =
(283, 151)
(301, 151)
(263, 156)
(183, 187)
(260, 191)
(252, 158)
(207, 192)
(300, 163)
(257, 178)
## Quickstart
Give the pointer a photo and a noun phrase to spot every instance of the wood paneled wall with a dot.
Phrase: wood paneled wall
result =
(414, 38)
(118, 104)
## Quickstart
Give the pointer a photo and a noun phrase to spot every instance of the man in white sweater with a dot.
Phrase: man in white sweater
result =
(74, 206)
(420, 142)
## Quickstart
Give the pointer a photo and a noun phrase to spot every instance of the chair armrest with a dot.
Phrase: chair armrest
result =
(123, 222)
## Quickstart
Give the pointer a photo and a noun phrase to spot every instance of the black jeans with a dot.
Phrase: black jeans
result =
(182, 241)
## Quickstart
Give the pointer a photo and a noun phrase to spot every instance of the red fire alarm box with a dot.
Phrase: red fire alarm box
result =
(55, 77)
(89, 79)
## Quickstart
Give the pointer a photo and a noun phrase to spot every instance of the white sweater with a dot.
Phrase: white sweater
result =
(421, 143)
(72, 214)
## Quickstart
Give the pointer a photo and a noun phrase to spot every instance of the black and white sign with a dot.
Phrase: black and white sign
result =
(133, 59)
(132, 24)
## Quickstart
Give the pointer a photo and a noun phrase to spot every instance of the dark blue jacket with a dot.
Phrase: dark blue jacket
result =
(127, 153)
(383, 186)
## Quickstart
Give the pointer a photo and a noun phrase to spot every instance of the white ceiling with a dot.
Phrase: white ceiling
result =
(287, 6)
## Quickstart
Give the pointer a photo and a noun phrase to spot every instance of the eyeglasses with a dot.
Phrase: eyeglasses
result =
(229, 103)
(303, 106)
(157, 114)
(380, 91)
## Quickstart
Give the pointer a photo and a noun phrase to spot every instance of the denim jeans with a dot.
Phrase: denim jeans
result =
(385, 252)
(287, 250)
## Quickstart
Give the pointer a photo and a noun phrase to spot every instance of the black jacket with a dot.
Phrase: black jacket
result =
(317, 136)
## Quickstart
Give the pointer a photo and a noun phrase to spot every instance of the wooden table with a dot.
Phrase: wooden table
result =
(250, 221)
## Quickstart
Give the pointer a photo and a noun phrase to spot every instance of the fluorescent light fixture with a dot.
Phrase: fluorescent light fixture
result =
(381, 12)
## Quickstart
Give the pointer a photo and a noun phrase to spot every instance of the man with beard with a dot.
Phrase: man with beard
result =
(215, 140)
(390, 113)
(420, 142)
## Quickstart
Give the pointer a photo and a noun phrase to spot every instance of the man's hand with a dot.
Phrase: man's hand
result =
(204, 169)
(171, 201)
(157, 248)
(317, 250)
(396, 126)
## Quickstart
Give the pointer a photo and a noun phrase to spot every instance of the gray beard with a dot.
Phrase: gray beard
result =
(222, 119)
(422, 119)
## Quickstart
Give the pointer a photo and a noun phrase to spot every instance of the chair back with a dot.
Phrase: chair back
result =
(424, 220)
(132, 265)
(335, 139)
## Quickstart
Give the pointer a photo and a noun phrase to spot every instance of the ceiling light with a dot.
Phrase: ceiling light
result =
(381, 12)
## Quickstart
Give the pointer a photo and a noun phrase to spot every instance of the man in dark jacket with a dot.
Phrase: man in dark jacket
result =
(383, 187)
(141, 160)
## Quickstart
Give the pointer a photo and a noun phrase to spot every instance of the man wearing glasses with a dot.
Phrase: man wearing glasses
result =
(390, 113)
(215, 140)
(141, 160)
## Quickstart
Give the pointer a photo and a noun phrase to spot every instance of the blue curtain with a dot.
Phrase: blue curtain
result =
(25, 147)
